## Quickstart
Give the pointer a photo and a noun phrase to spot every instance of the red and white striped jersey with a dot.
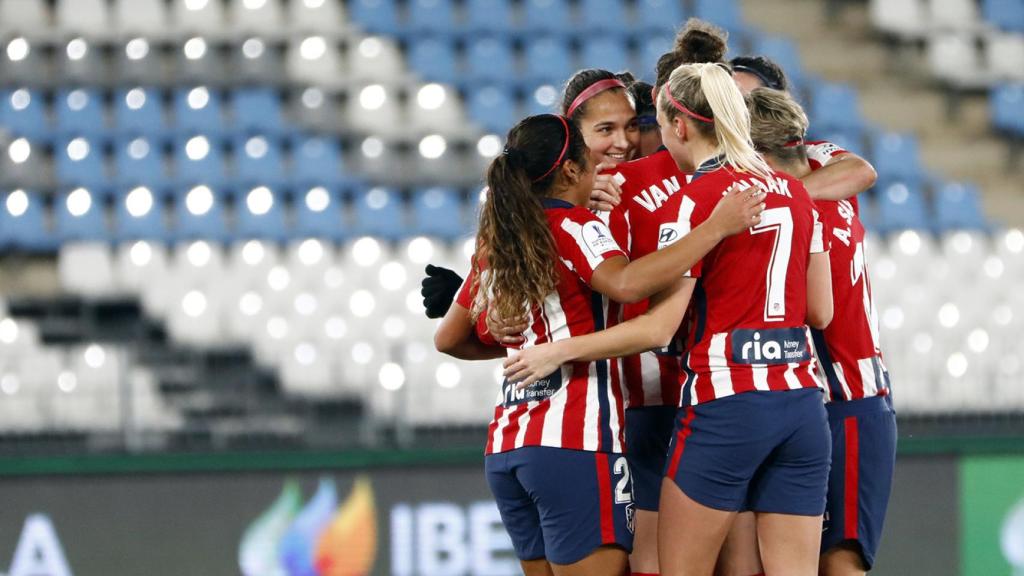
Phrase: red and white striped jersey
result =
(848, 349)
(580, 405)
(650, 378)
(750, 302)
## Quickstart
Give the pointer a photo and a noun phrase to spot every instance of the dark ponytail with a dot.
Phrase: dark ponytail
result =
(516, 251)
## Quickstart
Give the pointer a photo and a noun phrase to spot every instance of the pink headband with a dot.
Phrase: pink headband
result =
(684, 109)
(591, 91)
(561, 154)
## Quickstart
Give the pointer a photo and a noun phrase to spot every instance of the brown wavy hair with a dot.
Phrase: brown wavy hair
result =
(515, 260)
(698, 41)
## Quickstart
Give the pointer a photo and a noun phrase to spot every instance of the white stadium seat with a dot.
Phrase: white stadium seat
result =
(86, 269)
(87, 17)
(204, 16)
(148, 17)
(25, 16)
(197, 318)
(316, 16)
(260, 16)
(902, 18)
(306, 372)
(314, 60)
(953, 14)
(1004, 55)
(375, 59)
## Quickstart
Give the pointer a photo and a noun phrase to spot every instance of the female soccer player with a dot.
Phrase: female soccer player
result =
(751, 433)
(859, 406)
(554, 448)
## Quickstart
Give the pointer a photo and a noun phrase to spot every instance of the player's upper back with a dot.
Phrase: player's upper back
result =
(757, 278)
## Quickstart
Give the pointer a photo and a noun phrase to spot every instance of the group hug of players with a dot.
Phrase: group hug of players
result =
(660, 265)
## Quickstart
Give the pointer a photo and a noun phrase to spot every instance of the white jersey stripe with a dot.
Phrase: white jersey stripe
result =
(721, 378)
(760, 373)
(499, 430)
(650, 374)
(867, 376)
(524, 423)
(790, 375)
(590, 417)
(551, 435)
(841, 376)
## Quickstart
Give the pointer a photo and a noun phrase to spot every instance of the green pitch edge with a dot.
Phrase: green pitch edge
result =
(164, 463)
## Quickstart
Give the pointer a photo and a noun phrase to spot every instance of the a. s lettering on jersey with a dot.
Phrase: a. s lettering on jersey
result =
(770, 346)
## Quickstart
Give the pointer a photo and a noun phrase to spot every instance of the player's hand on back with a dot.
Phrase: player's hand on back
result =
(439, 289)
(507, 330)
(533, 363)
(738, 210)
(606, 194)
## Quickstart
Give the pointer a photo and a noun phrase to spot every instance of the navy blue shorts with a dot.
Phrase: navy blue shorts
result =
(863, 460)
(562, 504)
(760, 451)
(648, 433)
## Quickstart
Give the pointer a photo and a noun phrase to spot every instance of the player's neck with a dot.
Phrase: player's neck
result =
(702, 152)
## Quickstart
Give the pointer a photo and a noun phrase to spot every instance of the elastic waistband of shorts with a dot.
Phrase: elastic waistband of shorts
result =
(856, 407)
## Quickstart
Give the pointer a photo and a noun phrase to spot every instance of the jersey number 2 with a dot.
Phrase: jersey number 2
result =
(779, 221)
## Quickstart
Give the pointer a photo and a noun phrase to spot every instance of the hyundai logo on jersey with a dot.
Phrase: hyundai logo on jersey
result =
(770, 346)
(667, 235)
(540, 390)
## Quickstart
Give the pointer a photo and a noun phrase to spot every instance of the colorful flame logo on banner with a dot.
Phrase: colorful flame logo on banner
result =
(318, 539)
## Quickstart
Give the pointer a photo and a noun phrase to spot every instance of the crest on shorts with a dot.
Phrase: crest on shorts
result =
(630, 518)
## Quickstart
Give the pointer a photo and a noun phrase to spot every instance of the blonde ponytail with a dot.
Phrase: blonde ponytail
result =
(708, 90)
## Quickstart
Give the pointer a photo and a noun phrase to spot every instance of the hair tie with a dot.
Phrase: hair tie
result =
(684, 109)
(593, 90)
(768, 82)
(561, 155)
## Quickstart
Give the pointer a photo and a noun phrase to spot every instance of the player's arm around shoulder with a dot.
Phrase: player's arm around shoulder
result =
(842, 174)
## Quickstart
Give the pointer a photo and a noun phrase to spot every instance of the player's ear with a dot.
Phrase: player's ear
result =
(572, 171)
(680, 125)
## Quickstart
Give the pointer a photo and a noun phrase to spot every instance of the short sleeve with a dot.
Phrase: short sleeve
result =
(820, 153)
(585, 242)
(820, 241)
(466, 295)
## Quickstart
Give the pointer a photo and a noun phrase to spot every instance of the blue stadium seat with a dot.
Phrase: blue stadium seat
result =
(23, 113)
(260, 213)
(958, 207)
(79, 215)
(79, 162)
(431, 17)
(316, 161)
(198, 110)
(257, 110)
(1006, 14)
(896, 157)
(434, 59)
(548, 59)
(606, 52)
(258, 161)
(546, 16)
(492, 17)
(493, 108)
(210, 224)
(318, 214)
(868, 212)
(784, 52)
(379, 212)
(438, 212)
(376, 16)
(23, 222)
(490, 60)
(139, 161)
(139, 111)
(901, 206)
(543, 99)
(835, 107)
(851, 142)
(204, 166)
(1006, 105)
(140, 216)
(604, 17)
(660, 17)
(79, 112)
(652, 46)
(723, 13)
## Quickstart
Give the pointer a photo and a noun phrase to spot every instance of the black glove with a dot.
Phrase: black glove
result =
(439, 289)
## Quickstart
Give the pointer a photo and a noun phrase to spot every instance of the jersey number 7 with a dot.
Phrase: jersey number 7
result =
(780, 222)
